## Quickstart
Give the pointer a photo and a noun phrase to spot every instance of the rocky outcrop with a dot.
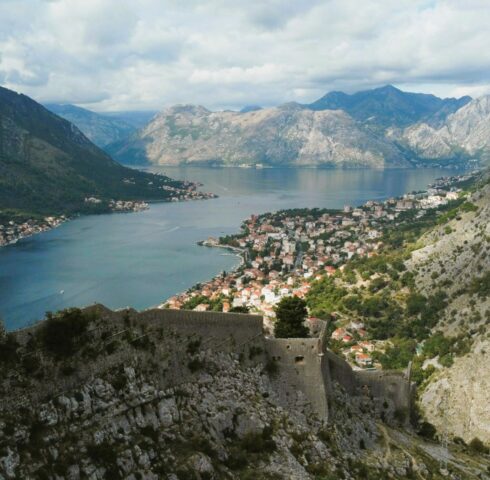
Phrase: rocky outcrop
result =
(464, 133)
(455, 256)
(180, 396)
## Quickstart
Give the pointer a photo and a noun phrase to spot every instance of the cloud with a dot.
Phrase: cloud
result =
(146, 54)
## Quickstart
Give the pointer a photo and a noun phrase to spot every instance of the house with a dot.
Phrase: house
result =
(338, 333)
(364, 360)
(367, 346)
(356, 349)
(202, 307)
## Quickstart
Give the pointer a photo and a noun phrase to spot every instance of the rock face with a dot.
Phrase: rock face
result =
(456, 257)
(376, 128)
(465, 132)
(133, 396)
(286, 135)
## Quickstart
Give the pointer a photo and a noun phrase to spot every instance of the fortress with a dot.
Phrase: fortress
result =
(304, 368)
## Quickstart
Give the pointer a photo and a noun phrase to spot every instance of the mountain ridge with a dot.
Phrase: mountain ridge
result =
(366, 129)
(49, 166)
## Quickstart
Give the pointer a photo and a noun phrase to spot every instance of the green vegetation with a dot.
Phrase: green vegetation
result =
(54, 167)
(290, 316)
(63, 332)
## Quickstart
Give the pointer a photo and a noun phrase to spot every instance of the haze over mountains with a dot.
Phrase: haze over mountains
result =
(105, 128)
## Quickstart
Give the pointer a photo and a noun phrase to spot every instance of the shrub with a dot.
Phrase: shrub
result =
(259, 442)
(427, 430)
(195, 364)
(103, 453)
(271, 367)
(62, 332)
(478, 446)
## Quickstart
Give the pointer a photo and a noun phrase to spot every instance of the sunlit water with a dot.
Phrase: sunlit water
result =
(140, 259)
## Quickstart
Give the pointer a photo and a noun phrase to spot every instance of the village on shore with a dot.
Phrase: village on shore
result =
(284, 252)
(12, 231)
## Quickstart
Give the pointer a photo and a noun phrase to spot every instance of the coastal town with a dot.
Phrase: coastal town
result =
(284, 252)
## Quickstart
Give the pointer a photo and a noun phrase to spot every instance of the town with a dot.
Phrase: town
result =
(284, 252)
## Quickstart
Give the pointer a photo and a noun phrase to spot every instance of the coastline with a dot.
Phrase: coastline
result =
(35, 227)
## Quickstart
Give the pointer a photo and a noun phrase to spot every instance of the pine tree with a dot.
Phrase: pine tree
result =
(290, 316)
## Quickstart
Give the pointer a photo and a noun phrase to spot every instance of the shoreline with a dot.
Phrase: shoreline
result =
(51, 222)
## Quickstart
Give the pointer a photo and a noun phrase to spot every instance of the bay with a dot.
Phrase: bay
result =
(140, 259)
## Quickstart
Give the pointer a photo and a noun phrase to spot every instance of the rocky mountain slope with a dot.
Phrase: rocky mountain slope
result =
(338, 130)
(390, 107)
(464, 133)
(48, 166)
(455, 257)
(285, 135)
(85, 396)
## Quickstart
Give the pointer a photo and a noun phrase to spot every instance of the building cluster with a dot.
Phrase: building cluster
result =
(12, 231)
(283, 252)
(127, 206)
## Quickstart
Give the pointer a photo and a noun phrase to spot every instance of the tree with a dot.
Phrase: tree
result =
(239, 309)
(290, 316)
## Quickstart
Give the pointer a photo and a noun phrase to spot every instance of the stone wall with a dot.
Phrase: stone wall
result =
(306, 369)
(299, 378)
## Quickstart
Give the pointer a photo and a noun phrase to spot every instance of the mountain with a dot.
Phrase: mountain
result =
(378, 128)
(136, 118)
(464, 133)
(185, 395)
(100, 129)
(250, 108)
(285, 135)
(390, 107)
(48, 166)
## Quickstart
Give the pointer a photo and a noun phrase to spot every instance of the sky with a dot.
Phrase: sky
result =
(109, 55)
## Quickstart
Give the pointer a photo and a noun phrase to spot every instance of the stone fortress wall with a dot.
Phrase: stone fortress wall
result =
(304, 367)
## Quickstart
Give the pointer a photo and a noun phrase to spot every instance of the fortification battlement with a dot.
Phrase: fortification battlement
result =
(306, 369)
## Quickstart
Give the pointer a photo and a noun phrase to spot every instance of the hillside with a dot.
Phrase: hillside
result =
(111, 395)
(286, 135)
(390, 107)
(48, 166)
(425, 298)
(455, 257)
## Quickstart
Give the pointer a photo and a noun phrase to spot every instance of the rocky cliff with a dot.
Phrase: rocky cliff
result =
(464, 133)
(455, 257)
(101, 395)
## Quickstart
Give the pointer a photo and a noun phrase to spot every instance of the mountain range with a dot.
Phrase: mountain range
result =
(383, 127)
(102, 129)
(47, 165)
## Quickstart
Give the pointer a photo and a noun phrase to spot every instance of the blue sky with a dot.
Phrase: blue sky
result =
(147, 54)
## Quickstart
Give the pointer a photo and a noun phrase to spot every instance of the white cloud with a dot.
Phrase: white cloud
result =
(113, 54)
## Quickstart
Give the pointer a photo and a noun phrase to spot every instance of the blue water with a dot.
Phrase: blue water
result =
(140, 259)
